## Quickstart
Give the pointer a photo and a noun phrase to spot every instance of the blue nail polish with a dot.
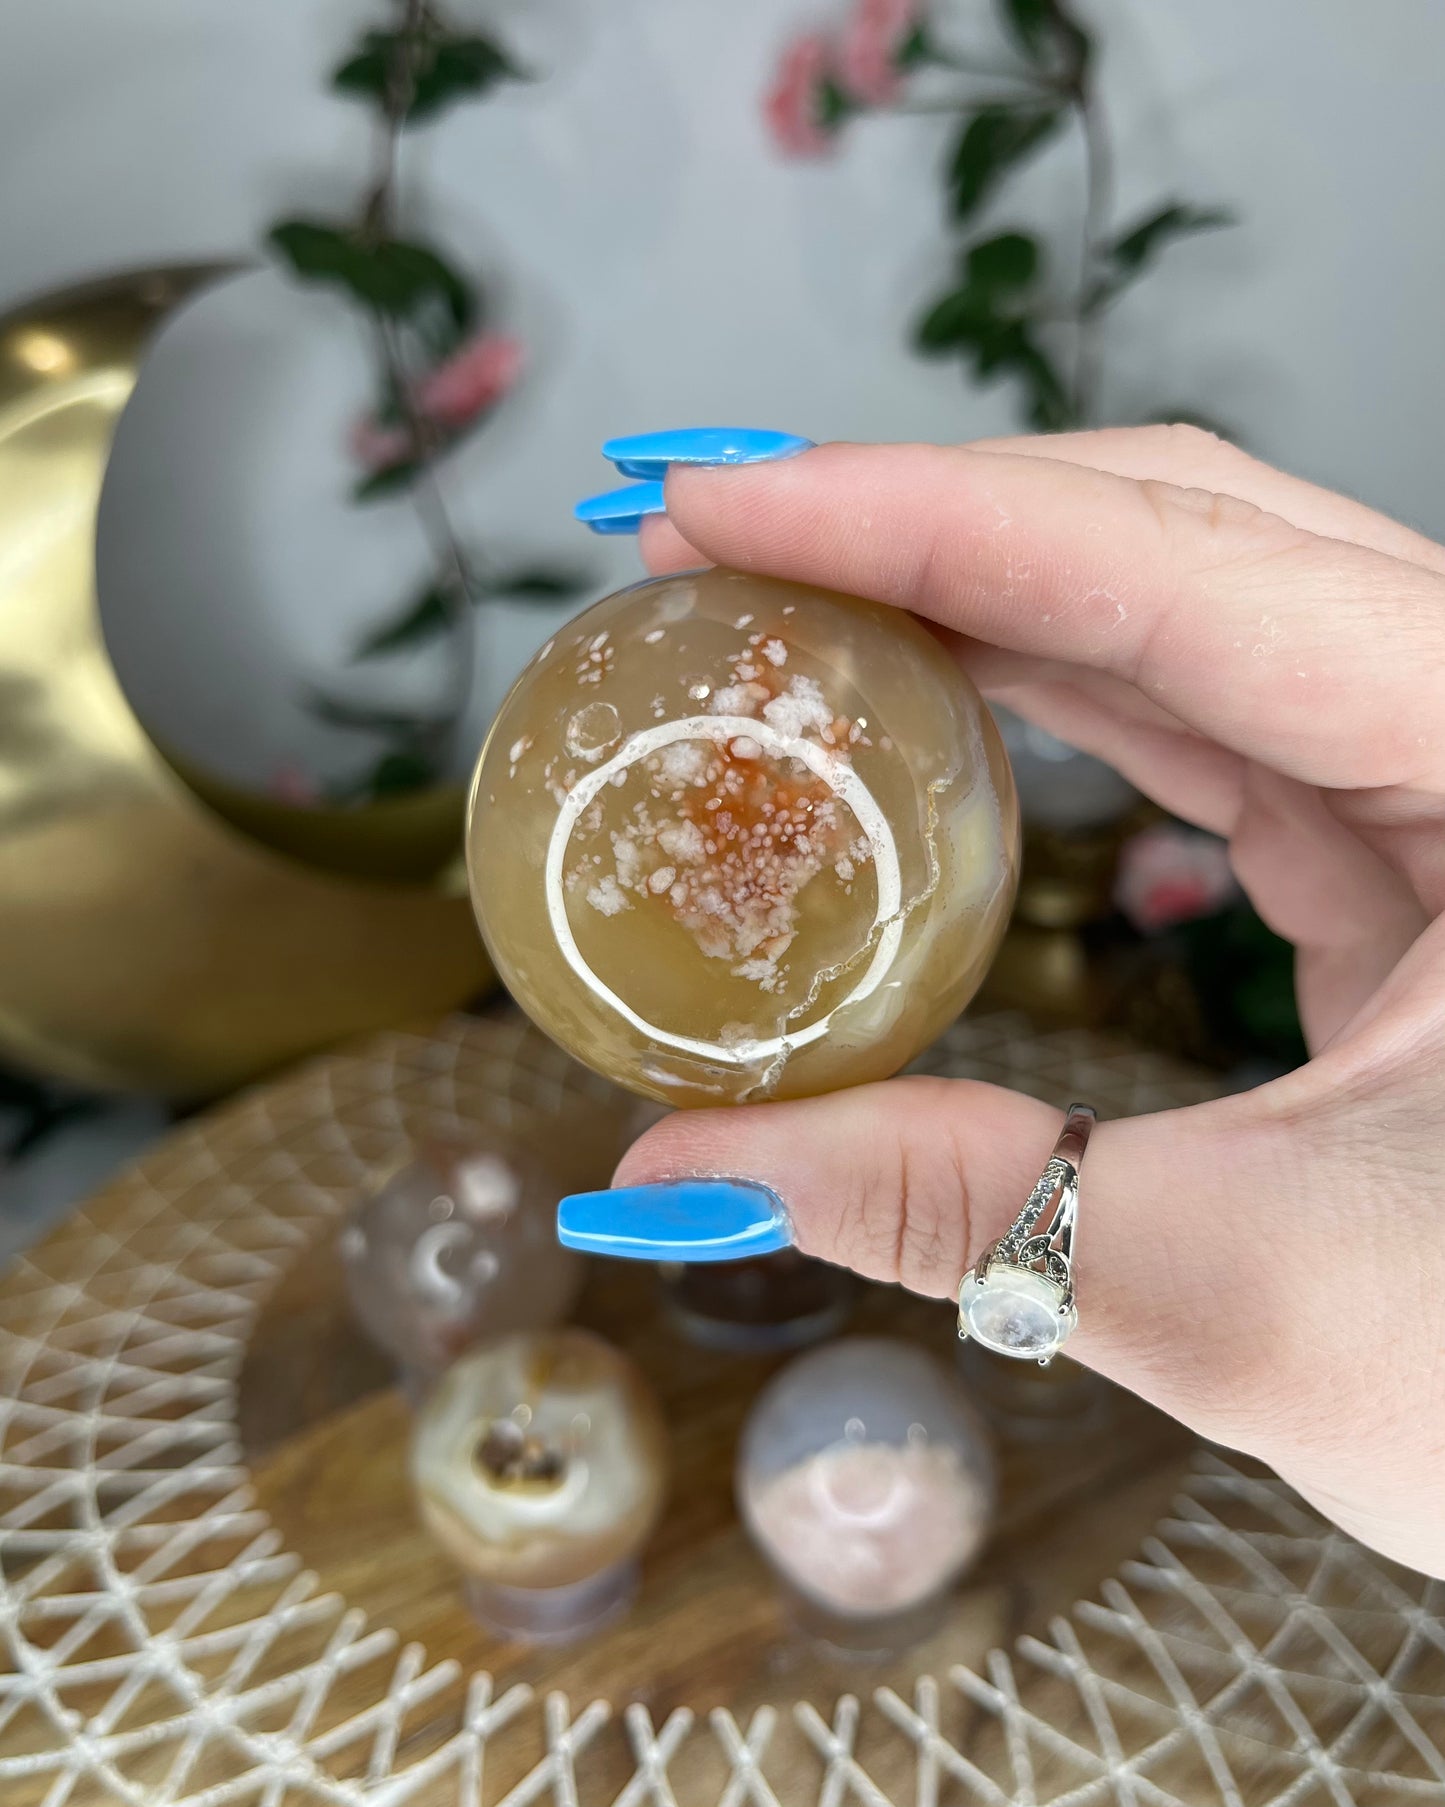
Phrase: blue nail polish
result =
(648, 455)
(621, 510)
(683, 1220)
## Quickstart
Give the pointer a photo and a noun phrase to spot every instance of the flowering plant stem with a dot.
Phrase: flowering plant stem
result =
(454, 584)
(440, 374)
(1018, 308)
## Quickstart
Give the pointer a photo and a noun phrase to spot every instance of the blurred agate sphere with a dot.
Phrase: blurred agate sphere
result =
(456, 1246)
(867, 1481)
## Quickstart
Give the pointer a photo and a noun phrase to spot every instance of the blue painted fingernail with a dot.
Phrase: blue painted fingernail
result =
(621, 510)
(682, 1220)
(648, 455)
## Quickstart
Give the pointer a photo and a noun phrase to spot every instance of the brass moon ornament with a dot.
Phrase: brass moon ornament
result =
(144, 943)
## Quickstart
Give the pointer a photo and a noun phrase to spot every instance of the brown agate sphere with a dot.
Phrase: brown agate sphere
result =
(733, 838)
(540, 1461)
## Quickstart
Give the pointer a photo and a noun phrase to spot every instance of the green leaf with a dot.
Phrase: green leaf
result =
(1047, 33)
(319, 252)
(997, 271)
(431, 72)
(367, 71)
(421, 275)
(1135, 248)
(975, 322)
(387, 481)
(1004, 264)
(400, 278)
(1266, 1006)
(1049, 409)
(955, 320)
(835, 106)
(402, 770)
(995, 139)
(1133, 251)
(363, 718)
(460, 67)
(538, 584)
(1031, 23)
(1243, 974)
(1015, 352)
(415, 284)
(429, 616)
(915, 50)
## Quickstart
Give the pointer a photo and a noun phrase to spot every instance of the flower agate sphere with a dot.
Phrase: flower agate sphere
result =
(866, 1480)
(734, 838)
(540, 1465)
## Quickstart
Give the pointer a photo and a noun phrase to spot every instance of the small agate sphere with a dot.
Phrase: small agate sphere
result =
(866, 1480)
(540, 1465)
(455, 1246)
(733, 838)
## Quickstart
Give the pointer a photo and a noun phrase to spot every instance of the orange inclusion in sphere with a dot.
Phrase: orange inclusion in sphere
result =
(733, 838)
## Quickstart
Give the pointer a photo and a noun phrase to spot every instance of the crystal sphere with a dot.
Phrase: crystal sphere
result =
(734, 838)
(457, 1245)
(866, 1480)
(540, 1465)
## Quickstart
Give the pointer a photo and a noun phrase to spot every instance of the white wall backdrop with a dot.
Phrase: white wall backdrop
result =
(664, 267)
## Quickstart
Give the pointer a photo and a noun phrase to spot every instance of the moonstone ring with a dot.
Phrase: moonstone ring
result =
(1019, 1298)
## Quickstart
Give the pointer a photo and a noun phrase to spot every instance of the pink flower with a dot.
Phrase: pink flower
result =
(1170, 875)
(470, 381)
(872, 40)
(792, 106)
(449, 397)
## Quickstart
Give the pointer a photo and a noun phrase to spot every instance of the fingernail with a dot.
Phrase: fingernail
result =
(648, 455)
(621, 510)
(682, 1220)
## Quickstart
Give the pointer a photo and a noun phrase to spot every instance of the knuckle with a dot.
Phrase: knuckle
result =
(867, 1231)
(1209, 530)
(930, 1191)
(1184, 440)
(904, 1213)
(1163, 502)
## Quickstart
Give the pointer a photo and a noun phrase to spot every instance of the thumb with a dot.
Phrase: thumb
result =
(910, 1180)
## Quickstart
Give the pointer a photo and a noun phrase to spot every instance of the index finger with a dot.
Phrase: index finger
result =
(1324, 658)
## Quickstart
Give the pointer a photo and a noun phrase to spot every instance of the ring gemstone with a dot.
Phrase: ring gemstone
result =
(1016, 1312)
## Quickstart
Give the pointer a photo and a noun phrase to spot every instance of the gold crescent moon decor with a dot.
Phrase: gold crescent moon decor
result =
(144, 943)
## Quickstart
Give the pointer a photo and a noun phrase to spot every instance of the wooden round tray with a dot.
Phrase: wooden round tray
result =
(213, 1587)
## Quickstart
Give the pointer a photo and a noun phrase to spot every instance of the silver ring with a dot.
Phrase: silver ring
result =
(1018, 1298)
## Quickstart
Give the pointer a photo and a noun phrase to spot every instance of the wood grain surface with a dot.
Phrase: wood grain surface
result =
(327, 1438)
(186, 1412)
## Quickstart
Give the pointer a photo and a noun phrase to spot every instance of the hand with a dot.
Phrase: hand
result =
(1263, 659)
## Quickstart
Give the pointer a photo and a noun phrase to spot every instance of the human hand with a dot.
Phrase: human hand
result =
(1266, 660)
